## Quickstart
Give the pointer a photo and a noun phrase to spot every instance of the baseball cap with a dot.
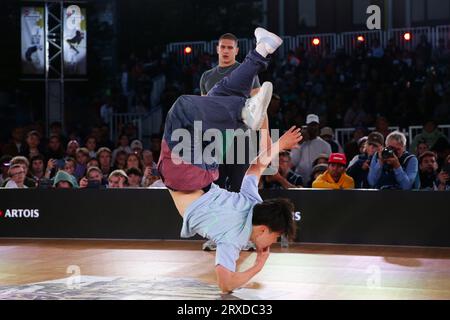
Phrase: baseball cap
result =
(321, 167)
(337, 158)
(136, 144)
(310, 118)
(375, 138)
(320, 156)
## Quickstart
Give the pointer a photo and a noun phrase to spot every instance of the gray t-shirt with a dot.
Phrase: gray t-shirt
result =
(211, 77)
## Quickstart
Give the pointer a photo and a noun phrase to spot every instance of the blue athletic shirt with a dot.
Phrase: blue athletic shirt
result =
(224, 217)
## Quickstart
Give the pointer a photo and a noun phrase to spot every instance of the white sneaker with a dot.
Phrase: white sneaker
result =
(209, 246)
(255, 107)
(270, 40)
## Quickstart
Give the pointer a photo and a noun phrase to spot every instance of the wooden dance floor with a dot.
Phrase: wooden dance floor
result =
(97, 269)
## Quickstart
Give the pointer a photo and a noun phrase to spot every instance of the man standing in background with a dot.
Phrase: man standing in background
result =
(230, 174)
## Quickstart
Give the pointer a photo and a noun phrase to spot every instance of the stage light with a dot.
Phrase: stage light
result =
(188, 50)
(360, 39)
(316, 41)
(407, 36)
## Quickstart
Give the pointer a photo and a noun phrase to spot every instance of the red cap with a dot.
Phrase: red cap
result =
(337, 158)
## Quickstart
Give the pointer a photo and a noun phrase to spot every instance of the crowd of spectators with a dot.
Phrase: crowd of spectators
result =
(315, 89)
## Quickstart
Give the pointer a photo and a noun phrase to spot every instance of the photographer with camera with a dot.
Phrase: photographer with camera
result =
(393, 167)
(94, 179)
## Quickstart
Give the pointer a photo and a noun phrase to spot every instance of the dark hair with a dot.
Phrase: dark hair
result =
(229, 36)
(34, 133)
(90, 137)
(427, 154)
(277, 215)
(37, 157)
(70, 159)
(134, 171)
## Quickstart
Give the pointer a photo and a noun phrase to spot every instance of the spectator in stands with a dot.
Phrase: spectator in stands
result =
(134, 177)
(4, 167)
(92, 162)
(428, 170)
(53, 166)
(303, 157)
(327, 134)
(133, 161)
(33, 145)
(274, 114)
(57, 130)
(136, 148)
(15, 145)
(444, 176)
(382, 126)
(25, 164)
(394, 167)
(155, 145)
(148, 160)
(70, 166)
(321, 159)
(317, 170)
(118, 179)
(376, 50)
(358, 168)
(150, 176)
(104, 159)
(55, 150)
(335, 177)
(37, 167)
(17, 176)
(123, 145)
(64, 180)
(106, 110)
(422, 147)
(352, 148)
(423, 49)
(355, 115)
(285, 178)
(82, 158)
(91, 146)
(430, 135)
(71, 149)
(93, 179)
(121, 160)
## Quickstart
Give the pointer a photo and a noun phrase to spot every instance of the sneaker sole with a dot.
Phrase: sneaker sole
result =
(267, 87)
(269, 38)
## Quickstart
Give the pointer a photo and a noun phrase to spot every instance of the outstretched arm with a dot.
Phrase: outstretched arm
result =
(288, 141)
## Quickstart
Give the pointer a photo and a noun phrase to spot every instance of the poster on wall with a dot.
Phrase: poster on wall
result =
(75, 59)
(33, 53)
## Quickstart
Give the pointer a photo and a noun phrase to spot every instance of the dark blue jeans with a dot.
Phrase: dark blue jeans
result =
(221, 109)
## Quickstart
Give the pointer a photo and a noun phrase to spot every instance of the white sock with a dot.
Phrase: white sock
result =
(261, 49)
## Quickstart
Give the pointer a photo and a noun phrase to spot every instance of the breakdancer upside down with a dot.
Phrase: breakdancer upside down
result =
(229, 218)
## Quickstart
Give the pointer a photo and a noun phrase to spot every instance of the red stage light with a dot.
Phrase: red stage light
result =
(188, 50)
(407, 36)
(360, 39)
(316, 41)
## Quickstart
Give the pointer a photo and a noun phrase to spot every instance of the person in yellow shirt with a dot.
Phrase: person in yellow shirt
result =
(335, 177)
